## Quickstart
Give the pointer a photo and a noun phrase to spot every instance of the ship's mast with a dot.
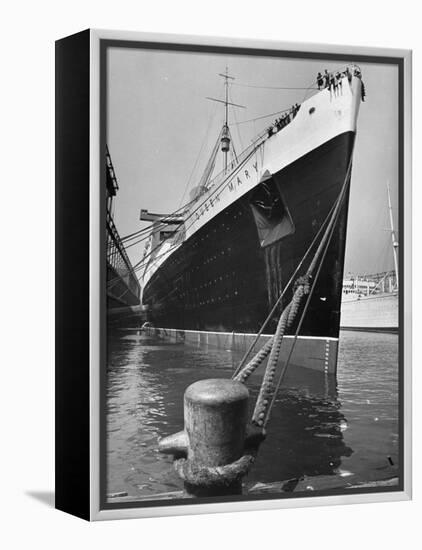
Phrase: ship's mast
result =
(393, 236)
(225, 134)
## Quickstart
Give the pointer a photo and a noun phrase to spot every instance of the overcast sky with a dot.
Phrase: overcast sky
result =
(161, 129)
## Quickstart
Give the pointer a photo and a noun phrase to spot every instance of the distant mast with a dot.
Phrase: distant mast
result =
(225, 133)
(393, 236)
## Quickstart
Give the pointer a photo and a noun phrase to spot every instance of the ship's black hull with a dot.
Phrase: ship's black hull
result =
(222, 279)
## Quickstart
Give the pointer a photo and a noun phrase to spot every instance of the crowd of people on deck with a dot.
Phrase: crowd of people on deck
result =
(284, 120)
(334, 80)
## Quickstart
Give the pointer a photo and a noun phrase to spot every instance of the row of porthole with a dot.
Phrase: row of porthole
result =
(215, 300)
(209, 283)
(212, 258)
(183, 295)
(208, 260)
(211, 300)
(201, 239)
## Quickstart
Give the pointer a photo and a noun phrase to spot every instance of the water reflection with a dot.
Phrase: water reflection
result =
(305, 434)
(319, 426)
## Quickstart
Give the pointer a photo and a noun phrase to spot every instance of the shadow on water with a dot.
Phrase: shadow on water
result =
(305, 432)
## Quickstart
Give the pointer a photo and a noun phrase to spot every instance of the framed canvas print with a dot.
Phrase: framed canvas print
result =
(233, 274)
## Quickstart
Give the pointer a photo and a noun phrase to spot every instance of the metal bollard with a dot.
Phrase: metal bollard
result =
(215, 414)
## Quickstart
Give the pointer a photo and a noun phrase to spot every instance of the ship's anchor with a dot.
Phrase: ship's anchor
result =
(217, 447)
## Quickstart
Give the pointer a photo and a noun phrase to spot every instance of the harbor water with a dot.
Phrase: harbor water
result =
(325, 431)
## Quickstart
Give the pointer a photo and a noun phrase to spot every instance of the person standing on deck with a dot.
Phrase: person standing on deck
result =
(320, 81)
(327, 79)
(333, 83)
(339, 81)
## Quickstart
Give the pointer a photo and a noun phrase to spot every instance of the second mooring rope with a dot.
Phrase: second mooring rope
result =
(257, 360)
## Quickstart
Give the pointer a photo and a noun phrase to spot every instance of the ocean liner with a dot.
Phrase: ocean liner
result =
(213, 270)
(370, 303)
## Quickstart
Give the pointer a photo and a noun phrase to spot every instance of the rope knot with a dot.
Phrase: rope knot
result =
(305, 282)
(219, 477)
(215, 477)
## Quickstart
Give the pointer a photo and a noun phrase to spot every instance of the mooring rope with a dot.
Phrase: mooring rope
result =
(242, 373)
(266, 417)
(212, 476)
(266, 389)
(260, 356)
(303, 288)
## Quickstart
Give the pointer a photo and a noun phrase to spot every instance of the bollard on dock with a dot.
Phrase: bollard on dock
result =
(213, 441)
